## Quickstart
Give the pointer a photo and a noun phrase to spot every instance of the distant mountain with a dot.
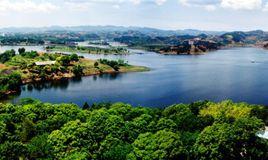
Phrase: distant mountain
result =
(103, 29)
(195, 32)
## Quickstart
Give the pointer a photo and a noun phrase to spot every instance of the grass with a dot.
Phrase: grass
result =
(133, 69)
(89, 68)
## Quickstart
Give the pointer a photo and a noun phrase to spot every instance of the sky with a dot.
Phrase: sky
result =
(213, 15)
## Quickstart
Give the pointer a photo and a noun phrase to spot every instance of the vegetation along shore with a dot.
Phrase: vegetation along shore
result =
(89, 50)
(28, 67)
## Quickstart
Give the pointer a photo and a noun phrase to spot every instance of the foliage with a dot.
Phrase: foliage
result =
(10, 82)
(161, 145)
(31, 54)
(96, 64)
(7, 55)
(115, 64)
(64, 60)
(74, 57)
(90, 50)
(78, 70)
(21, 50)
(235, 140)
(36, 130)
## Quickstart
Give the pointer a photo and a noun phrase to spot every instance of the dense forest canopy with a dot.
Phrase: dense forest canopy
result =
(201, 130)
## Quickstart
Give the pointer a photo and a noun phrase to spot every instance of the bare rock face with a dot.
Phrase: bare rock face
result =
(265, 45)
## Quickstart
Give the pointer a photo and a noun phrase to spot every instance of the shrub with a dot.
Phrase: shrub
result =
(74, 57)
(78, 70)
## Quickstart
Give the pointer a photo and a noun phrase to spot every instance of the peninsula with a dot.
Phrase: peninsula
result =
(29, 67)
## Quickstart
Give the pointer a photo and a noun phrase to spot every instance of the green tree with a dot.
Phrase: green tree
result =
(38, 147)
(12, 150)
(74, 57)
(7, 55)
(64, 60)
(21, 50)
(114, 149)
(232, 141)
(181, 115)
(72, 137)
(161, 145)
(86, 106)
(96, 64)
(78, 70)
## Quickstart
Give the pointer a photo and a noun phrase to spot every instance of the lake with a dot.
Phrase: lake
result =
(239, 74)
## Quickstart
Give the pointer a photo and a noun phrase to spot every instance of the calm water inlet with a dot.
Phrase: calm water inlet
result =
(239, 74)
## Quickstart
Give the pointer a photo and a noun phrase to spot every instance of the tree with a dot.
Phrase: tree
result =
(7, 55)
(21, 50)
(86, 106)
(38, 147)
(237, 140)
(181, 115)
(64, 60)
(12, 150)
(74, 136)
(28, 129)
(74, 57)
(114, 149)
(116, 67)
(165, 123)
(3, 132)
(78, 70)
(161, 145)
(96, 64)
(35, 130)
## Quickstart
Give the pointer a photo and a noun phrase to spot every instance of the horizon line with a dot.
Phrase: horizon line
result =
(126, 26)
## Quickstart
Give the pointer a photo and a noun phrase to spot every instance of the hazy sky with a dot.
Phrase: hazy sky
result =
(165, 14)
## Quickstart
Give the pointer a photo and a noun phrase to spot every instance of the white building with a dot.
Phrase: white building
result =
(44, 63)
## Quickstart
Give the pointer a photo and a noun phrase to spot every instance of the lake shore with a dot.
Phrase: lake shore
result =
(70, 76)
(31, 72)
(88, 50)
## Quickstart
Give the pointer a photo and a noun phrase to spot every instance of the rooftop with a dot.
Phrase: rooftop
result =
(44, 63)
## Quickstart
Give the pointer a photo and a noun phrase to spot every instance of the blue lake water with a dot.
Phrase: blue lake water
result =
(239, 74)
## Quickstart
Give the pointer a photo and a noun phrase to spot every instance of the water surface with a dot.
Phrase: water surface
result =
(239, 74)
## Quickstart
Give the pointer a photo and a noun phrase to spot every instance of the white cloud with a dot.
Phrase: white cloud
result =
(210, 7)
(26, 6)
(160, 2)
(116, 6)
(81, 6)
(135, 2)
(226, 4)
(199, 2)
(265, 8)
(242, 4)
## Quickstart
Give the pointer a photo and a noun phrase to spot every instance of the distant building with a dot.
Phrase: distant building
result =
(45, 63)
(191, 42)
(47, 43)
(71, 44)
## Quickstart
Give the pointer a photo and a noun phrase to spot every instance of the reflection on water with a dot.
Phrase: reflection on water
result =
(39, 86)
(220, 75)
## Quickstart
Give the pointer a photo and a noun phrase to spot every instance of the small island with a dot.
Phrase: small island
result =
(31, 66)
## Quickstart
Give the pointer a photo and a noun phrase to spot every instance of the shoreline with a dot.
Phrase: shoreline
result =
(221, 48)
(69, 76)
